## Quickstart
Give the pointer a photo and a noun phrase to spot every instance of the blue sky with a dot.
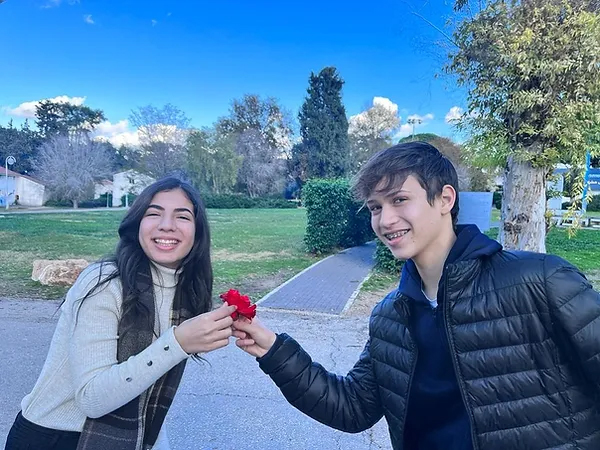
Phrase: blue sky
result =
(199, 55)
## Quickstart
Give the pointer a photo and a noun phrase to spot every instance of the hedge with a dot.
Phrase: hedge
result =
(236, 201)
(386, 261)
(334, 218)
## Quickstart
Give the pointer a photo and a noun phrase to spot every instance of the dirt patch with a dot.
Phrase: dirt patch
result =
(366, 301)
(226, 255)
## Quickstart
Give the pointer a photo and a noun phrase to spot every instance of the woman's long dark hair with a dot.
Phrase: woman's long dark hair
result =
(193, 294)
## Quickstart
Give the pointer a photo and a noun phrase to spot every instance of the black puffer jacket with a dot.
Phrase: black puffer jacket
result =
(524, 331)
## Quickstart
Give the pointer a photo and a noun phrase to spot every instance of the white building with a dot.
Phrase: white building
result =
(22, 189)
(129, 181)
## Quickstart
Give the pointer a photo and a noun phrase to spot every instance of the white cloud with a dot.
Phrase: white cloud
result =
(110, 129)
(56, 3)
(362, 118)
(386, 103)
(117, 133)
(454, 114)
(87, 18)
(27, 109)
(154, 22)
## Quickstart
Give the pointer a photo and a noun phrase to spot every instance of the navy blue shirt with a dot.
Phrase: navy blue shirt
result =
(436, 417)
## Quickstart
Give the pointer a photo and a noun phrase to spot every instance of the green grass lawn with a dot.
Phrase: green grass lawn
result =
(253, 250)
(496, 214)
(581, 250)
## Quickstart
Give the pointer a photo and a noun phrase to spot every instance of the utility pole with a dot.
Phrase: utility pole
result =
(9, 160)
(414, 121)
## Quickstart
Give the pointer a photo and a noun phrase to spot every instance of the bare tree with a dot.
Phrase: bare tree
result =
(163, 133)
(261, 171)
(70, 165)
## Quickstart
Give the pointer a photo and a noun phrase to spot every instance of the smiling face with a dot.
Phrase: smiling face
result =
(168, 228)
(407, 223)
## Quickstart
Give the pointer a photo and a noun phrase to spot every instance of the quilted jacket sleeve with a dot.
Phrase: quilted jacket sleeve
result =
(575, 308)
(349, 403)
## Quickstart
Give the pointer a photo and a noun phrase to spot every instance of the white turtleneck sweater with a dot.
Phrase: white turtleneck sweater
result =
(81, 376)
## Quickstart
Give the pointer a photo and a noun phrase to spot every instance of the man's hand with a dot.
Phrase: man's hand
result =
(252, 336)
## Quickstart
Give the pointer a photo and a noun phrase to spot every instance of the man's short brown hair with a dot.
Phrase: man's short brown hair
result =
(393, 165)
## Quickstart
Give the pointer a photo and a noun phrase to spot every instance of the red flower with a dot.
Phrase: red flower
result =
(244, 307)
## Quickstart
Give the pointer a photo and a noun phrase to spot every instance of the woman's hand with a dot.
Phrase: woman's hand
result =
(253, 337)
(206, 332)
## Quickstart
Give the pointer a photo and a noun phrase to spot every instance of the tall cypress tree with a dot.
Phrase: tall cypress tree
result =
(324, 128)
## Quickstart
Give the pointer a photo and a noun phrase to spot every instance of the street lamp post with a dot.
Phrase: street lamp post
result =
(413, 122)
(9, 160)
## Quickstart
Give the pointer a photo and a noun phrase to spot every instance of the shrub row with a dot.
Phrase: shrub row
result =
(236, 201)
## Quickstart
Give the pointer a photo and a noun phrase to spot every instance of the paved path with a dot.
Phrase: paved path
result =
(47, 210)
(327, 286)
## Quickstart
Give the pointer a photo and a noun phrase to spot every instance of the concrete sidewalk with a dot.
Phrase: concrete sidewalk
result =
(226, 403)
(327, 286)
(49, 210)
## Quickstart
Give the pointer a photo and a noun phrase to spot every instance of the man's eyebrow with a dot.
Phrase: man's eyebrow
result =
(393, 192)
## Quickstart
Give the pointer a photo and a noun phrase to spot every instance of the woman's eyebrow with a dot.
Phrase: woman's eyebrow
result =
(160, 208)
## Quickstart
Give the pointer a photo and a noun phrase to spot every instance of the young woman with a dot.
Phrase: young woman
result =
(126, 329)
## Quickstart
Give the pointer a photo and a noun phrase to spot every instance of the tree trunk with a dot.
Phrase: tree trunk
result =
(523, 207)
(75, 204)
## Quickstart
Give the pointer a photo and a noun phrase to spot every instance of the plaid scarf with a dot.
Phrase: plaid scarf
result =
(136, 425)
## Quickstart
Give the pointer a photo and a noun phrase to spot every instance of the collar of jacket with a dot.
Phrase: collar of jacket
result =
(456, 277)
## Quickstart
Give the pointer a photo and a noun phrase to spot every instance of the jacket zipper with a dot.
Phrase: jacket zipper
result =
(445, 317)
(415, 353)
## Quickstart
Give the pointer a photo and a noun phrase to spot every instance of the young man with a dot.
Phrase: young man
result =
(478, 348)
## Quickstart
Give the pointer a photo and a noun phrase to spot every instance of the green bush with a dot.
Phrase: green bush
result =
(99, 202)
(334, 218)
(59, 203)
(326, 203)
(358, 226)
(384, 259)
(594, 203)
(226, 201)
(130, 197)
(237, 201)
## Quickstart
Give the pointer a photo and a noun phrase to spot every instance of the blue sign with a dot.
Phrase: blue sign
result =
(594, 179)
